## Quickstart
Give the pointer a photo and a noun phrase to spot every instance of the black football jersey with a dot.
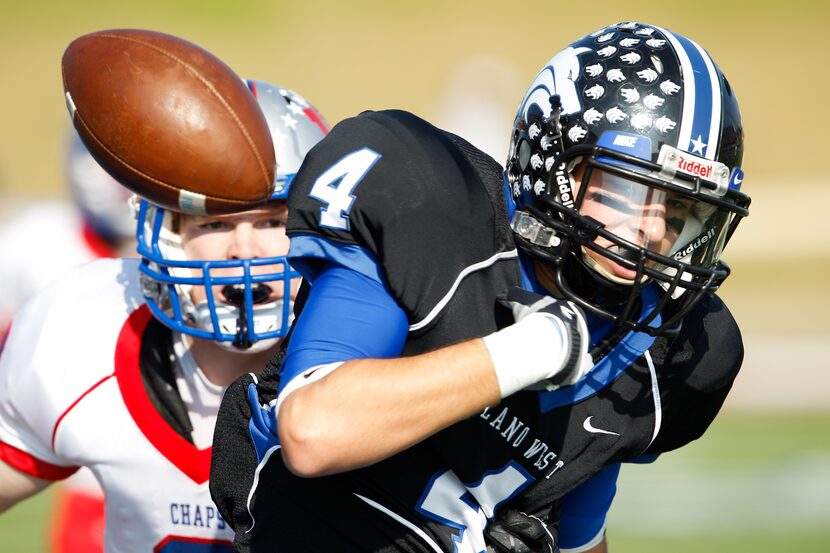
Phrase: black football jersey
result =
(430, 209)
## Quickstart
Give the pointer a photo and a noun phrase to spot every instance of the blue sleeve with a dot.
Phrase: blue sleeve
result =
(585, 507)
(310, 254)
(347, 315)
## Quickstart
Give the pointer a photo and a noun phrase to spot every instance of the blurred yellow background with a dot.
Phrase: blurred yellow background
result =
(464, 65)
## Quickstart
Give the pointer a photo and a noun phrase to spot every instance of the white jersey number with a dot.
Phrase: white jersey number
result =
(335, 186)
(467, 508)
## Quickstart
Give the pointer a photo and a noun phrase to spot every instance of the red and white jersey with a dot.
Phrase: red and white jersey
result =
(71, 395)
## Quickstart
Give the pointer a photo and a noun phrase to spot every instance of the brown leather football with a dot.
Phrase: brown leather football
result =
(169, 120)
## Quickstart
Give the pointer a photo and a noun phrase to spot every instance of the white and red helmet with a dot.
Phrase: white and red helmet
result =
(246, 320)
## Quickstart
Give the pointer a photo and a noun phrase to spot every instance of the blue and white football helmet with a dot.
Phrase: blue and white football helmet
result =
(630, 126)
(246, 321)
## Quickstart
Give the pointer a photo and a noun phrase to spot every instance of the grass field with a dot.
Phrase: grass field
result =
(754, 484)
(758, 483)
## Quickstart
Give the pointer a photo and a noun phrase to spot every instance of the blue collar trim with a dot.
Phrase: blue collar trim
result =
(629, 349)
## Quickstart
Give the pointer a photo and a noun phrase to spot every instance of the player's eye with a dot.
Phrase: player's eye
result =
(214, 225)
(272, 222)
(679, 204)
(611, 202)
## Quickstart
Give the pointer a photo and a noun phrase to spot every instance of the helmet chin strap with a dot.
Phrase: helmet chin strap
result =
(233, 320)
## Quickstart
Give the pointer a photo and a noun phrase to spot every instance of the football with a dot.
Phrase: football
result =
(169, 120)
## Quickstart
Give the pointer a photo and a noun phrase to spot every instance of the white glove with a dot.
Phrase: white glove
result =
(544, 349)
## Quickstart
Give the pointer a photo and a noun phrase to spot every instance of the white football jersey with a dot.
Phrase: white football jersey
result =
(38, 246)
(71, 395)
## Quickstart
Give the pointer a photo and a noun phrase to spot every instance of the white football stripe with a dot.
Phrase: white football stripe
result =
(395, 516)
(468, 270)
(192, 203)
(714, 126)
(687, 118)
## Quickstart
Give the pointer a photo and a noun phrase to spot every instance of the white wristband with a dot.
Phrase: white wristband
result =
(528, 351)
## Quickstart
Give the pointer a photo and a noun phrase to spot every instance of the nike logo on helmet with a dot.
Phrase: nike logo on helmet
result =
(593, 429)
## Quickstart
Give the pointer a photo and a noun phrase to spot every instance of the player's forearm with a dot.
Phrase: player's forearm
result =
(370, 409)
(15, 486)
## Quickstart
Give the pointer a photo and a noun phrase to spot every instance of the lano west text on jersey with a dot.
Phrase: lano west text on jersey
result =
(515, 432)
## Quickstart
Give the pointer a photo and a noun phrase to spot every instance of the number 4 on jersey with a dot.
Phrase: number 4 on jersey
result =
(335, 186)
(468, 507)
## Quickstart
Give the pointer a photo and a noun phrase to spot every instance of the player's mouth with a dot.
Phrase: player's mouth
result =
(609, 268)
(234, 294)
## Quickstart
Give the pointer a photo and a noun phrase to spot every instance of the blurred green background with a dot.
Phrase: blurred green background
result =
(760, 479)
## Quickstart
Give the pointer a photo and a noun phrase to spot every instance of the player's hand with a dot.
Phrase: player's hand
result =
(515, 532)
(545, 347)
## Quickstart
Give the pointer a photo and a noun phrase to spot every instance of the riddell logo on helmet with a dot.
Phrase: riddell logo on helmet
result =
(563, 185)
(695, 167)
(692, 246)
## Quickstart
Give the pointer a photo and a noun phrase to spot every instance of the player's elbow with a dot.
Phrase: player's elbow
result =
(303, 439)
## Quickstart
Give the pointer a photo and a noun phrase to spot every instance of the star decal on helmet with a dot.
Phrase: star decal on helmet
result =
(296, 108)
(279, 137)
(289, 121)
(697, 145)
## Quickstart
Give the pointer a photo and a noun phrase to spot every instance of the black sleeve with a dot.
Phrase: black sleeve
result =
(424, 202)
(695, 372)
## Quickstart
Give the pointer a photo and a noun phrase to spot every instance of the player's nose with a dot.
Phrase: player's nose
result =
(243, 243)
(652, 227)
